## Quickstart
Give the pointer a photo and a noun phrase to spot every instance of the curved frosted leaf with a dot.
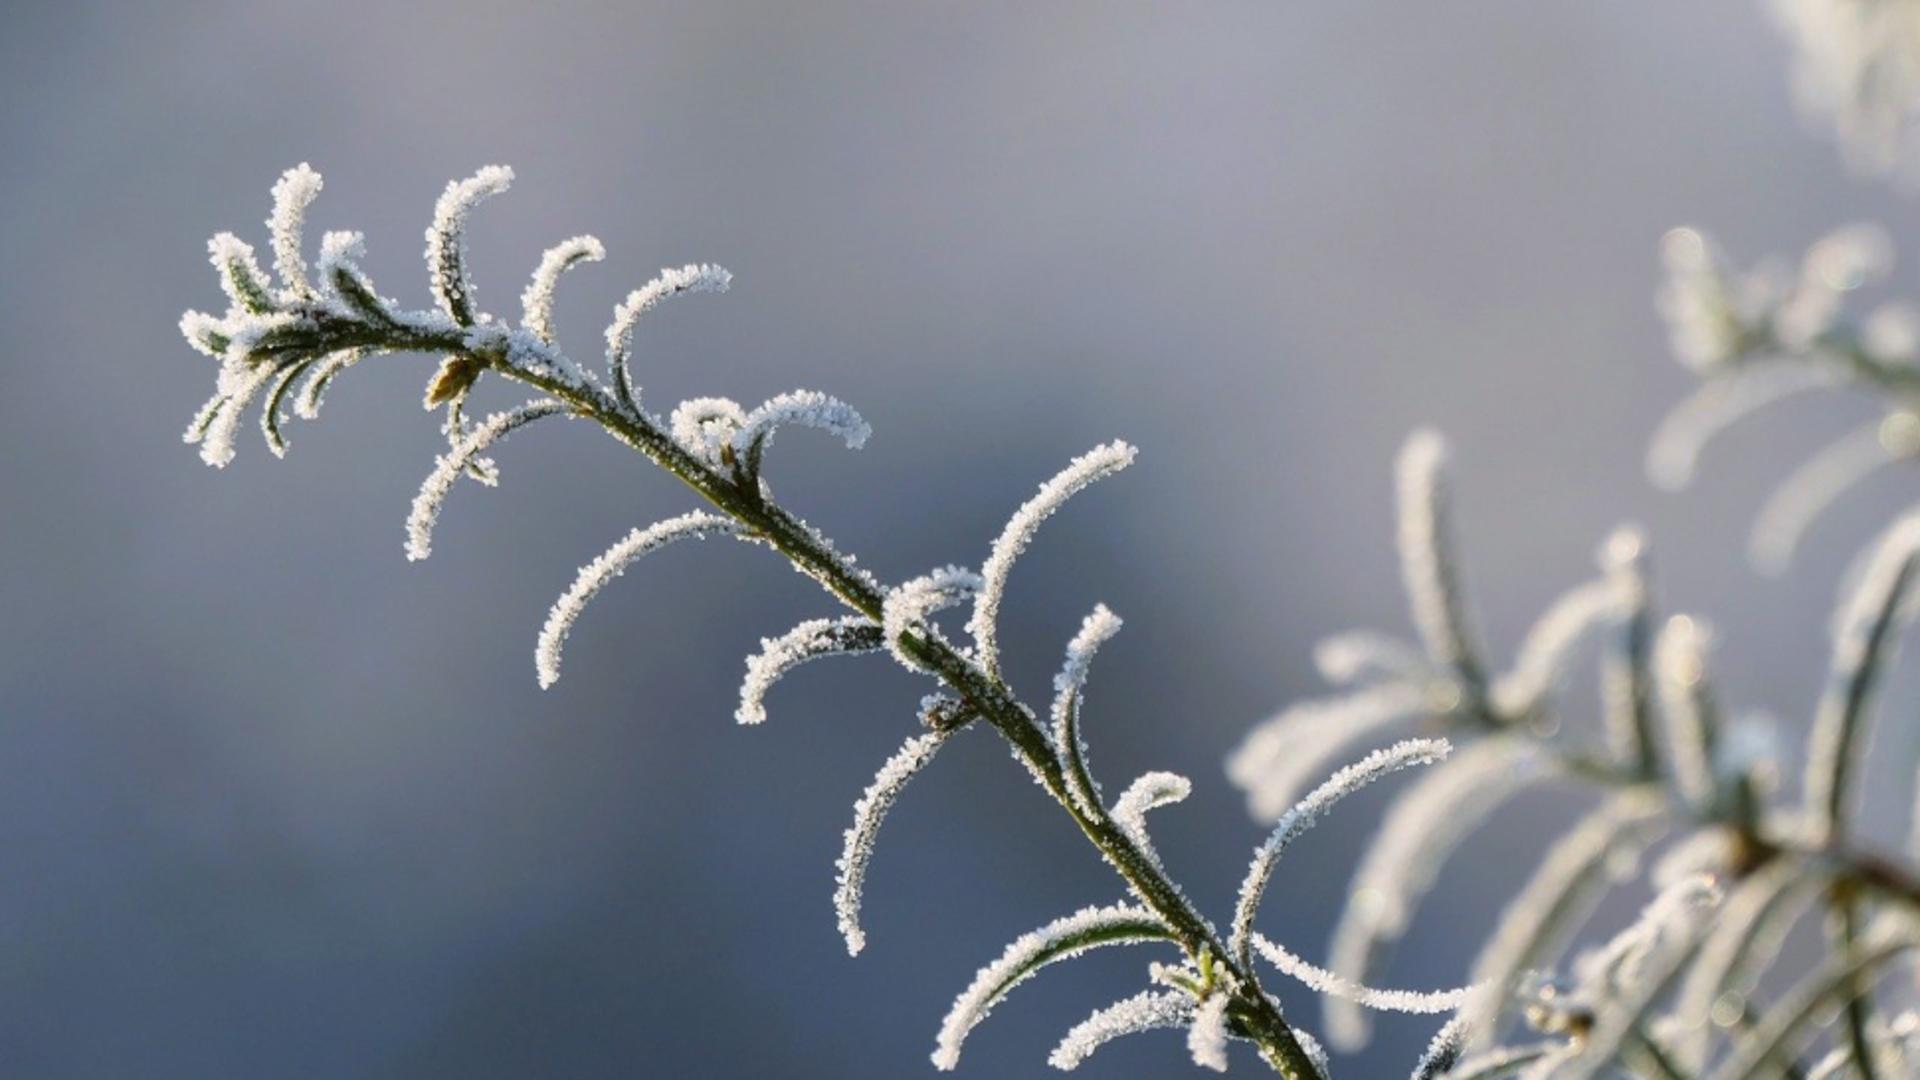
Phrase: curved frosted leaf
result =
(536, 303)
(292, 194)
(1426, 822)
(1148, 792)
(691, 278)
(1096, 464)
(1675, 449)
(1626, 683)
(611, 563)
(806, 408)
(1069, 687)
(1276, 761)
(1150, 1010)
(1306, 813)
(1061, 939)
(1540, 665)
(908, 608)
(1428, 563)
(1320, 980)
(1814, 486)
(1207, 1034)
(447, 239)
(868, 814)
(811, 640)
(1365, 656)
(448, 467)
(1561, 893)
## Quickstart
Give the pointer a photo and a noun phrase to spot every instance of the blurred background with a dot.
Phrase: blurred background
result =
(274, 802)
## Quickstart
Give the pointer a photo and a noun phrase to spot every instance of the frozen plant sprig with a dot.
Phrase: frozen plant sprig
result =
(287, 342)
(1671, 769)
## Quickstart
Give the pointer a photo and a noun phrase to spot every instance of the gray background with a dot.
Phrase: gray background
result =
(274, 802)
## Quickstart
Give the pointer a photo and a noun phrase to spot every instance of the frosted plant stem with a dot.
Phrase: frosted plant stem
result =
(983, 695)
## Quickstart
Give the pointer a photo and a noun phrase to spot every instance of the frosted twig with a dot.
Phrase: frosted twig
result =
(868, 815)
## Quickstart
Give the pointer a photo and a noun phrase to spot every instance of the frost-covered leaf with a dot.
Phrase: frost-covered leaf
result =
(694, 277)
(1626, 680)
(1305, 814)
(909, 607)
(1148, 792)
(811, 640)
(1687, 706)
(868, 815)
(1322, 981)
(1757, 914)
(1868, 629)
(806, 408)
(1428, 563)
(1674, 452)
(1150, 1010)
(1061, 939)
(611, 563)
(1207, 1034)
(1096, 464)
(1820, 481)
(292, 194)
(536, 303)
(1069, 687)
(1540, 665)
(1282, 755)
(447, 239)
(705, 426)
(448, 467)
(1442, 1052)
(1562, 891)
(1424, 825)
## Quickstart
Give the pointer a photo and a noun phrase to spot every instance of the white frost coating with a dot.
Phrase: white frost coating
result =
(703, 425)
(1061, 939)
(1326, 982)
(1868, 628)
(1674, 451)
(1367, 656)
(1148, 792)
(1540, 665)
(1150, 1010)
(1620, 964)
(1711, 313)
(806, 408)
(240, 275)
(1765, 898)
(536, 302)
(908, 607)
(1561, 892)
(448, 467)
(1068, 686)
(811, 640)
(447, 240)
(1306, 813)
(1626, 690)
(1207, 1035)
(1842, 260)
(1857, 67)
(1282, 755)
(1810, 489)
(216, 435)
(868, 814)
(1442, 1052)
(1427, 563)
(700, 277)
(1422, 828)
(1680, 675)
(1096, 464)
(292, 194)
(611, 563)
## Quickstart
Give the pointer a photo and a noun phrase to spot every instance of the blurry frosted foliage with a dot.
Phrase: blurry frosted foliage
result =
(1856, 66)
(1758, 338)
(1743, 867)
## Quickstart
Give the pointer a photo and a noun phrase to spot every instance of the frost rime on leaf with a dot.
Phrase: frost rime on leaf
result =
(807, 408)
(1306, 813)
(536, 303)
(811, 640)
(447, 239)
(908, 607)
(701, 277)
(1427, 560)
(694, 525)
(448, 467)
(1151, 790)
(1149, 1010)
(1863, 647)
(1207, 1035)
(868, 814)
(292, 194)
(1096, 464)
(1322, 981)
(1069, 687)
